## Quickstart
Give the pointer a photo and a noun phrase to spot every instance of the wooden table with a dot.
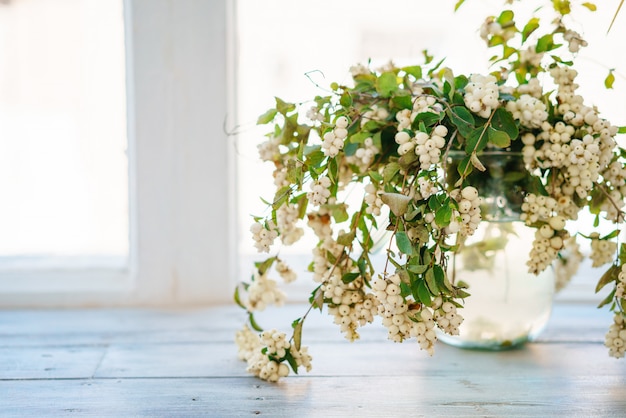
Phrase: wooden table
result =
(182, 363)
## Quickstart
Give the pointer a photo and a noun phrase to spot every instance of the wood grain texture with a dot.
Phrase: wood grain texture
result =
(182, 363)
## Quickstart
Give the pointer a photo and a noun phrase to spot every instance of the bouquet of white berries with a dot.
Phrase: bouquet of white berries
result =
(391, 136)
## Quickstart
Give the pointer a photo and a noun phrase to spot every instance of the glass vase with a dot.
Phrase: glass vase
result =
(508, 306)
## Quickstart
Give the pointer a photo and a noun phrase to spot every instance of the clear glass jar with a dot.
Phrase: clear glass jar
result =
(508, 306)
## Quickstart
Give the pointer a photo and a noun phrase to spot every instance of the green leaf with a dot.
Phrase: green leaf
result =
(611, 235)
(414, 70)
(502, 120)
(464, 167)
(476, 141)
(386, 84)
(546, 43)
(458, 4)
(590, 6)
(431, 281)
(297, 333)
(476, 162)
(292, 361)
(346, 239)
(397, 202)
(505, 17)
(350, 149)
(427, 118)
(609, 276)
(424, 293)
(314, 156)
(462, 119)
(238, 299)
(404, 243)
(608, 299)
(317, 298)
(609, 80)
(333, 169)
(346, 99)
(350, 277)
(529, 28)
(263, 266)
(284, 107)
(403, 100)
(339, 213)
(440, 278)
(359, 137)
(266, 117)
(281, 196)
(443, 216)
(417, 268)
(498, 138)
(375, 175)
(255, 326)
(562, 6)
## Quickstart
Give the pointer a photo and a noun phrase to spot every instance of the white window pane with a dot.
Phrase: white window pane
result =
(63, 167)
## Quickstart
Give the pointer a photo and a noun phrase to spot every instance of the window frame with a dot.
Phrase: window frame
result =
(181, 169)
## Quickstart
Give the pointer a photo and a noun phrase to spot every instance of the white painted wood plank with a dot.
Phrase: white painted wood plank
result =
(49, 362)
(404, 396)
(366, 359)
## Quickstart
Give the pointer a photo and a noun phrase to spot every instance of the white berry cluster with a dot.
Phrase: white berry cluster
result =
(615, 175)
(469, 209)
(533, 88)
(602, 250)
(268, 150)
(319, 222)
(574, 40)
(355, 309)
(567, 263)
(374, 113)
(266, 360)
(426, 187)
(287, 217)
(322, 266)
(333, 140)
(549, 240)
(427, 147)
(530, 111)
(364, 155)
(446, 316)
(531, 56)
(425, 103)
(481, 94)
(247, 343)
(359, 69)
(285, 272)
(262, 292)
(549, 148)
(491, 28)
(541, 208)
(421, 104)
(314, 115)
(320, 192)
(264, 235)
(373, 200)
(280, 177)
(401, 322)
(615, 339)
